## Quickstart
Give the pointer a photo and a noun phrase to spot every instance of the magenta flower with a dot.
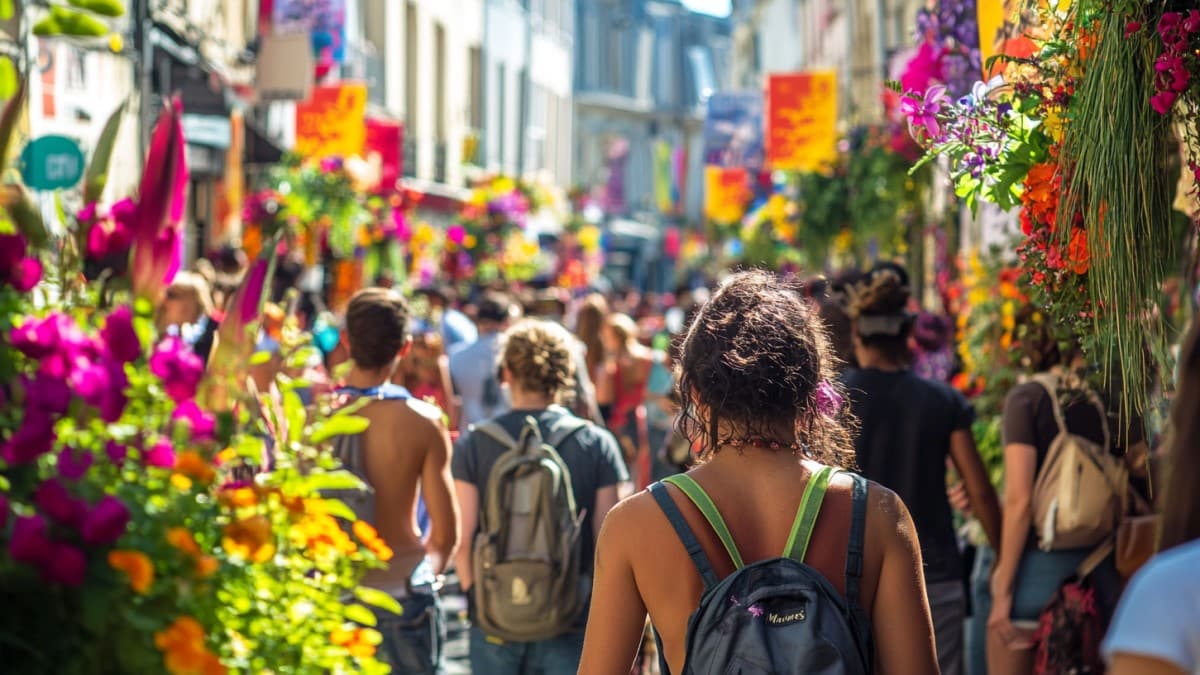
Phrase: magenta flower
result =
(29, 543)
(73, 464)
(202, 424)
(922, 111)
(178, 367)
(34, 438)
(161, 455)
(829, 401)
(3, 510)
(36, 338)
(105, 522)
(119, 338)
(1192, 23)
(66, 565)
(251, 293)
(331, 164)
(923, 69)
(157, 217)
(116, 452)
(456, 234)
(47, 394)
(54, 500)
(1163, 101)
(112, 403)
(12, 249)
(18, 270)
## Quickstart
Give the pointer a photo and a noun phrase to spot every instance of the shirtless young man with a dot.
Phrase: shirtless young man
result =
(406, 447)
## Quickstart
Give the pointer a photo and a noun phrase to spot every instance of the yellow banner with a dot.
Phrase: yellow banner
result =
(802, 120)
(726, 191)
(331, 123)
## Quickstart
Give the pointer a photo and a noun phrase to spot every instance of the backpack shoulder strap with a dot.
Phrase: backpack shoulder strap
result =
(564, 427)
(497, 433)
(806, 514)
(703, 502)
(854, 545)
(694, 550)
(1050, 384)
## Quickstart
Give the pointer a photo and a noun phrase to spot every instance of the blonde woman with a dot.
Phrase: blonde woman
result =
(187, 311)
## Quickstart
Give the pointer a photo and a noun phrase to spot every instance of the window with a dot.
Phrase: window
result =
(439, 73)
(501, 133)
(410, 69)
(475, 100)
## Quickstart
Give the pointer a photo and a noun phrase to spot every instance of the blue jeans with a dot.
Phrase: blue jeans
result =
(413, 641)
(491, 656)
(981, 609)
(1041, 573)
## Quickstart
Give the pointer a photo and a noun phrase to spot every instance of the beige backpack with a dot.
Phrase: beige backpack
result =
(1080, 493)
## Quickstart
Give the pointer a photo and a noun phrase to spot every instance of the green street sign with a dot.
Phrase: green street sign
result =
(51, 162)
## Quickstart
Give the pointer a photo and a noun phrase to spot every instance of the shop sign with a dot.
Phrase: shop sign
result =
(52, 162)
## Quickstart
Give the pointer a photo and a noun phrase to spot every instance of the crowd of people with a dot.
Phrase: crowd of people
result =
(598, 469)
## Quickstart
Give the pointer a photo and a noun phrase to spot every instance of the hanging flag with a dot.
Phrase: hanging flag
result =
(802, 120)
(331, 123)
(386, 138)
(1001, 31)
(663, 177)
(725, 193)
(733, 130)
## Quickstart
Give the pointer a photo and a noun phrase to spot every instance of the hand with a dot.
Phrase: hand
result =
(957, 494)
(1000, 624)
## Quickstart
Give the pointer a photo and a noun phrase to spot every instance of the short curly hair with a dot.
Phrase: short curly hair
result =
(756, 365)
(376, 327)
(537, 354)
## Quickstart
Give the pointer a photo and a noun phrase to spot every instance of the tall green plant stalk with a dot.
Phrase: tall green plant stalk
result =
(1114, 162)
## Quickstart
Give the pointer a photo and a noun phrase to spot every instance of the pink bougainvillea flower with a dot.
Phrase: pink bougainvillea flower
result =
(161, 455)
(105, 522)
(16, 269)
(66, 565)
(1163, 101)
(34, 438)
(12, 249)
(47, 394)
(3, 510)
(201, 423)
(35, 338)
(157, 219)
(112, 403)
(29, 543)
(119, 338)
(456, 234)
(74, 464)
(180, 370)
(116, 452)
(1192, 23)
(923, 69)
(53, 499)
(26, 275)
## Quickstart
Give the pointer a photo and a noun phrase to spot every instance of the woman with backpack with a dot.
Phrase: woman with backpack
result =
(702, 554)
(1054, 407)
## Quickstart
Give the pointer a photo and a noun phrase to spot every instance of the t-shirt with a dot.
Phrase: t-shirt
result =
(591, 454)
(1159, 614)
(905, 424)
(473, 374)
(1029, 418)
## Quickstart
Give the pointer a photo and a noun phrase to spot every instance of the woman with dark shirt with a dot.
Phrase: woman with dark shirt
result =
(1026, 577)
(909, 427)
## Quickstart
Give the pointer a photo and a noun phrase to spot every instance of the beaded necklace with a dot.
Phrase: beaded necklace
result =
(760, 443)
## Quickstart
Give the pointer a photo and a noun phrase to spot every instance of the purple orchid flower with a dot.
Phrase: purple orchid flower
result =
(922, 111)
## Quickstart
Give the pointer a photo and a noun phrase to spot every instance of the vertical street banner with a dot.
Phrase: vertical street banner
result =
(331, 123)
(726, 191)
(733, 130)
(1003, 30)
(386, 138)
(663, 179)
(802, 120)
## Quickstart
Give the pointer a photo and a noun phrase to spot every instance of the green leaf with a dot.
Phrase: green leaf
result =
(333, 480)
(338, 509)
(260, 358)
(360, 615)
(8, 120)
(96, 176)
(377, 598)
(293, 413)
(9, 80)
(338, 425)
(6, 10)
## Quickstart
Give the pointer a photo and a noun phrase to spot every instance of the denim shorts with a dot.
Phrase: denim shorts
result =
(413, 640)
(1042, 573)
(491, 656)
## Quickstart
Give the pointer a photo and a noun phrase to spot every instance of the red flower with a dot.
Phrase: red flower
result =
(1077, 251)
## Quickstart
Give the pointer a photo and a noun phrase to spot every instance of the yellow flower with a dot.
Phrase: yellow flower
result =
(359, 642)
(181, 482)
(237, 498)
(1054, 125)
(371, 539)
(249, 539)
(136, 565)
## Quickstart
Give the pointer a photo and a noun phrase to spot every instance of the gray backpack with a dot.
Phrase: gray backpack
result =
(777, 616)
(528, 585)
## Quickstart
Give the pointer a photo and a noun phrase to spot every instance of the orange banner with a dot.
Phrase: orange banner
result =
(332, 123)
(802, 120)
(726, 191)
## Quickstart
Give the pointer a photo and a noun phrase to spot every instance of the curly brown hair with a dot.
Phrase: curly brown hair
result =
(537, 354)
(755, 366)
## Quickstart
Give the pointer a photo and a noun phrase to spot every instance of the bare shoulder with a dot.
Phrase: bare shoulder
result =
(887, 516)
(426, 410)
(628, 520)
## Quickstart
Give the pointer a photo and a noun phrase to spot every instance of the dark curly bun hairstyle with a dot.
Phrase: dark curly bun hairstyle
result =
(878, 308)
(756, 366)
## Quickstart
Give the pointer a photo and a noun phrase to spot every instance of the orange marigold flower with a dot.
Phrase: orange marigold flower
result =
(239, 497)
(191, 464)
(184, 651)
(359, 642)
(249, 539)
(1077, 251)
(136, 565)
(182, 539)
(206, 566)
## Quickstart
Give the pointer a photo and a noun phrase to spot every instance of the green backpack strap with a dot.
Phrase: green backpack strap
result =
(702, 501)
(806, 515)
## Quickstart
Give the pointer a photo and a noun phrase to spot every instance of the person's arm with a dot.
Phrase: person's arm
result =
(618, 615)
(980, 492)
(1020, 465)
(436, 488)
(907, 645)
(448, 390)
(468, 504)
(606, 499)
(1133, 664)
